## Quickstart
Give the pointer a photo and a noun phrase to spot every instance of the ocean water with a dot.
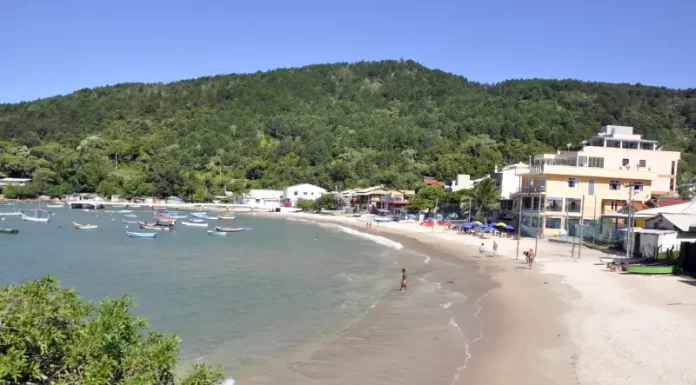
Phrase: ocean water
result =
(288, 302)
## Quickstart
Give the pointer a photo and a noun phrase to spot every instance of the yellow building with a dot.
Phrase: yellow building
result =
(559, 190)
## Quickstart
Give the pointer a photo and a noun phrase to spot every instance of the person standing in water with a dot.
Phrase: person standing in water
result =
(404, 282)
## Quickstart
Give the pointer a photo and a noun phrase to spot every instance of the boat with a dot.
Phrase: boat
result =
(200, 215)
(218, 233)
(155, 226)
(125, 211)
(651, 269)
(134, 206)
(621, 260)
(55, 206)
(232, 229)
(36, 217)
(11, 214)
(118, 206)
(196, 224)
(141, 235)
(80, 226)
(383, 219)
(197, 220)
(130, 215)
(131, 222)
(9, 231)
(178, 216)
(226, 219)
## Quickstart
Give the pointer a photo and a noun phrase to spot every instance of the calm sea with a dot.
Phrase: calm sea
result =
(288, 302)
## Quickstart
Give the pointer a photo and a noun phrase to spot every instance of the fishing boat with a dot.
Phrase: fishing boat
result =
(196, 224)
(55, 206)
(11, 214)
(155, 226)
(36, 217)
(226, 219)
(80, 226)
(130, 215)
(131, 222)
(197, 220)
(651, 269)
(232, 229)
(176, 216)
(200, 215)
(9, 231)
(141, 235)
(218, 233)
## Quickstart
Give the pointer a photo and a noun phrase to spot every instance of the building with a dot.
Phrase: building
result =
(508, 181)
(14, 182)
(432, 181)
(262, 199)
(559, 190)
(301, 191)
(379, 198)
(463, 182)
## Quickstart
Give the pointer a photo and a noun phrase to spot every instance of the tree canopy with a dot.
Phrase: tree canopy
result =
(50, 336)
(335, 125)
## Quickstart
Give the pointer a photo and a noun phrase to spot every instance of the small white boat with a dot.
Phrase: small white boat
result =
(11, 214)
(55, 206)
(178, 216)
(200, 215)
(383, 219)
(36, 218)
(621, 260)
(194, 224)
(80, 226)
(125, 211)
(134, 206)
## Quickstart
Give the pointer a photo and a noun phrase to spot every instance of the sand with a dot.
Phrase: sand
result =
(568, 320)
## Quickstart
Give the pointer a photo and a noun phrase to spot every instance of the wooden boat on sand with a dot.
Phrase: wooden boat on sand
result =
(651, 269)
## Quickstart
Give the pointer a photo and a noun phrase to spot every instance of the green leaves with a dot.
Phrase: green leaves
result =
(50, 335)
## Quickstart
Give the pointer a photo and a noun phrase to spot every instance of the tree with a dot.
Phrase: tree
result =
(306, 205)
(326, 201)
(50, 335)
(482, 196)
(686, 185)
(239, 188)
(426, 197)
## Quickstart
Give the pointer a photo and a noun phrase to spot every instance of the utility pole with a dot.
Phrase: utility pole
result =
(629, 224)
(539, 227)
(519, 229)
(582, 221)
(437, 200)
(469, 209)
(594, 220)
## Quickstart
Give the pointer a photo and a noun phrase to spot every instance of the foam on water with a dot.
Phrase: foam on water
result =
(374, 238)
(427, 260)
(446, 305)
(228, 381)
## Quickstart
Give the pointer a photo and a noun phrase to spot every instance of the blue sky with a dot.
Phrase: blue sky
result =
(55, 47)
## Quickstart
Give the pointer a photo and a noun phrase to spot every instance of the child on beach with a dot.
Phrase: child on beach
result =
(482, 249)
(530, 257)
(403, 280)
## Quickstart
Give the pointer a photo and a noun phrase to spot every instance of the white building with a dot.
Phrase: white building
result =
(302, 191)
(507, 179)
(14, 182)
(463, 182)
(262, 199)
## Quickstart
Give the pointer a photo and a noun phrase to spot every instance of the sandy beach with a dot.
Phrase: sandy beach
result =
(568, 320)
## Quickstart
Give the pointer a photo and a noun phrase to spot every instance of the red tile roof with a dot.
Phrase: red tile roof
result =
(434, 182)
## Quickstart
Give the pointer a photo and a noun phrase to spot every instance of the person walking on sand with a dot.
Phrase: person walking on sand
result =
(404, 282)
(482, 249)
(530, 257)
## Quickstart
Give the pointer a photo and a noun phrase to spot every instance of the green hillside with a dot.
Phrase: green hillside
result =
(389, 122)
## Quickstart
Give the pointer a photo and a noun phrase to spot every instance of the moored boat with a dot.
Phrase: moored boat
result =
(55, 206)
(134, 206)
(36, 217)
(130, 215)
(131, 222)
(141, 235)
(200, 215)
(232, 229)
(154, 226)
(195, 224)
(11, 214)
(218, 233)
(383, 219)
(226, 219)
(9, 231)
(651, 269)
(80, 226)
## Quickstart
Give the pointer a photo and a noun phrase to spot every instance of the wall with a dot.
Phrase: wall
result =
(293, 194)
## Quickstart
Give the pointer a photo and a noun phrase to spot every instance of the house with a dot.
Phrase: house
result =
(560, 190)
(463, 182)
(380, 198)
(262, 199)
(14, 182)
(649, 243)
(432, 181)
(508, 181)
(301, 191)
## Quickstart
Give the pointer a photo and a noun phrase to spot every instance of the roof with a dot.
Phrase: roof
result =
(683, 208)
(642, 230)
(306, 185)
(681, 221)
(434, 182)
(514, 166)
(664, 202)
(15, 180)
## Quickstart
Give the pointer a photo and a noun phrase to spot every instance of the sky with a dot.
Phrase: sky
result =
(50, 47)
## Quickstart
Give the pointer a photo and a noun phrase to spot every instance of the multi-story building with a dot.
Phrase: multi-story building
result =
(558, 190)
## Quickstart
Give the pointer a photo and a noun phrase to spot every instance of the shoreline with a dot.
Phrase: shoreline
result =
(510, 337)
(569, 320)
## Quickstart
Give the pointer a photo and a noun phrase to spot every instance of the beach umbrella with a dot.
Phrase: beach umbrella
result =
(509, 227)
(476, 222)
(500, 224)
(467, 225)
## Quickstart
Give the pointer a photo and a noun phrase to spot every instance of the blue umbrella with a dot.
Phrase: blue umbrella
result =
(509, 227)
(467, 225)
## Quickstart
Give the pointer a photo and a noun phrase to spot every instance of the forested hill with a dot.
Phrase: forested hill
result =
(389, 122)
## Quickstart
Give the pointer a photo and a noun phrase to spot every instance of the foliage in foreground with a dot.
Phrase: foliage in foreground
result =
(346, 125)
(50, 335)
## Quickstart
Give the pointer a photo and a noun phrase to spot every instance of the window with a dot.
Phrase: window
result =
(296, 193)
(674, 166)
(614, 205)
(671, 185)
(642, 163)
(590, 187)
(553, 223)
(624, 162)
(596, 162)
(582, 161)
(614, 185)
(573, 183)
(637, 186)
(304, 193)
(312, 193)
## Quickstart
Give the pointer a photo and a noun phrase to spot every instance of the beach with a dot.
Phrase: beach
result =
(568, 320)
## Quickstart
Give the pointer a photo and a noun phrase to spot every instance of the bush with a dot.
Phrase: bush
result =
(50, 335)
(306, 205)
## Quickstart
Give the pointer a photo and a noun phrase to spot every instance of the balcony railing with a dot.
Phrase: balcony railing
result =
(531, 190)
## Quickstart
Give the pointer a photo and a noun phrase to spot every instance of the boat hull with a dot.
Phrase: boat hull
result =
(35, 219)
(643, 269)
(231, 229)
(194, 224)
(217, 233)
(141, 235)
(80, 226)
(10, 214)
(9, 231)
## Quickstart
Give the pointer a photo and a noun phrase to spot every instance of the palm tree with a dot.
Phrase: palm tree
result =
(482, 196)
(686, 183)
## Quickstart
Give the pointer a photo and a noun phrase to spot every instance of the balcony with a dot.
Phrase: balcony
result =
(531, 190)
(635, 173)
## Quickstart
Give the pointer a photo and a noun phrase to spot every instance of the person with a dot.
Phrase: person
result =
(404, 282)
(495, 247)
(482, 248)
(530, 257)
